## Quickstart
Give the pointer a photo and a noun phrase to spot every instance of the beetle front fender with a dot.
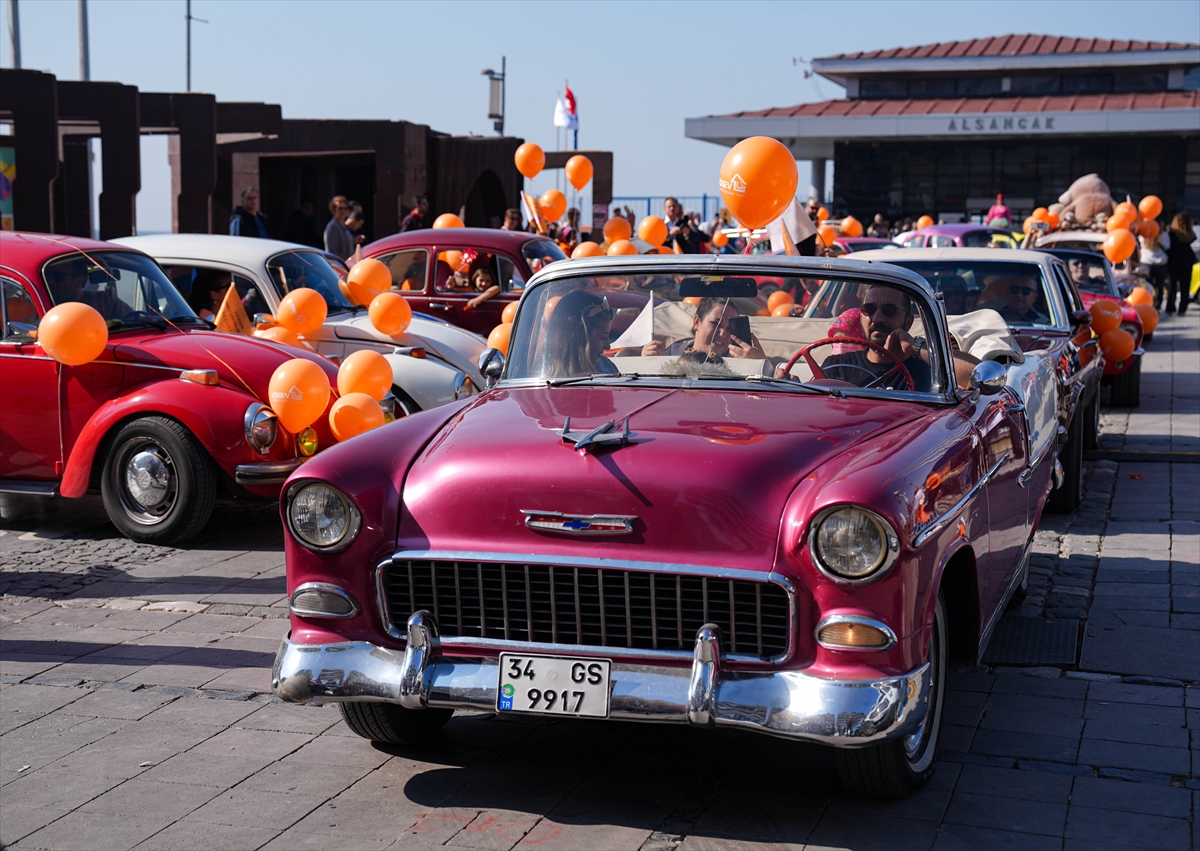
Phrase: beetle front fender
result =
(213, 414)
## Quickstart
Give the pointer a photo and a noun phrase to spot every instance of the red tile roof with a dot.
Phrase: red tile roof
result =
(974, 106)
(1013, 45)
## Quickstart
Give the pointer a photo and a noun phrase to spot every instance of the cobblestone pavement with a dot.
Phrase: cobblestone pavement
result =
(135, 713)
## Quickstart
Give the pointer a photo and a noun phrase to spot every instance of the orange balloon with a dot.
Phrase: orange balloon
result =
(693, 300)
(1053, 221)
(498, 339)
(653, 230)
(587, 249)
(852, 226)
(390, 313)
(782, 309)
(346, 294)
(720, 239)
(1119, 246)
(1128, 209)
(280, 334)
(924, 222)
(1087, 355)
(1148, 229)
(1117, 345)
(303, 310)
(826, 234)
(365, 371)
(1140, 295)
(353, 414)
(509, 313)
(1041, 214)
(1150, 207)
(452, 258)
(73, 333)
(448, 220)
(298, 393)
(779, 297)
(1082, 335)
(622, 246)
(554, 204)
(367, 279)
(617, 228)
(530, 159)
(579, 171)
(1025, 228)
(665, 249)
(822, 214)
(1106, 315)
(1149, 317)
(758, 180)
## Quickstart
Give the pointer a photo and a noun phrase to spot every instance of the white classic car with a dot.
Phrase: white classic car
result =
(433, 362)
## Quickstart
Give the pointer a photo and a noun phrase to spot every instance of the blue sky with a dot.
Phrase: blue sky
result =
(638, 69)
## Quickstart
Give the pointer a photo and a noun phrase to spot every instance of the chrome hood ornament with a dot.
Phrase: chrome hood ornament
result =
(579, 524)
(600, 436)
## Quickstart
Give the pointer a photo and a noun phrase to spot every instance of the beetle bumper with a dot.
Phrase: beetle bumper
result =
(266, 472)
(842, 713)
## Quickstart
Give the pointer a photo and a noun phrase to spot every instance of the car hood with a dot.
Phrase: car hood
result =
(457, 346)
(706, 476)
(239, 361)
(1128, 312)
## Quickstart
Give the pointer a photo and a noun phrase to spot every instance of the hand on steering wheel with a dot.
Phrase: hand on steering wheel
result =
(828, 341)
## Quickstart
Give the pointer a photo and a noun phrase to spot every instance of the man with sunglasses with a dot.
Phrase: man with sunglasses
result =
(887, 316)
(1021, 293)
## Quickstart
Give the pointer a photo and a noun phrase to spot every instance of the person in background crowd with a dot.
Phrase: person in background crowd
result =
(998, 215)
(512, 220)
(208, 291)
(811, 206)
(1153, 255)
(338, 239)
(673, 216)
(1180, 259)
(879, 227)
(356, 209)
(569, 233)
(494, 222)
(246, 219)
(415, 220)
(300, 226)
(354, 224)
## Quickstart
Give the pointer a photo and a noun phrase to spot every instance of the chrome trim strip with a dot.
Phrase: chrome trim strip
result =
(891, 539)
(859, 619)
(1023, 479)
(985, 637)
(625, 521)
(28, 488)
(957, 509)
(706, 673)
(355, 609)
(266, 473)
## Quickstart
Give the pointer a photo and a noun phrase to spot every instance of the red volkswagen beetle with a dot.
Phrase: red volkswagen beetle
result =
(170, 413)
(769, 534)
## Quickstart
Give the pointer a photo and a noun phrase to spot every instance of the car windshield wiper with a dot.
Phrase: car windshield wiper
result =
(138, 318)
(579, 379)
(783, 383)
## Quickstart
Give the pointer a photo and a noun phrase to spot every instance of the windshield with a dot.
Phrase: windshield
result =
(127, 289)
(540, 253)
(1017, 291)
(570, 330)
(1090, 273)
(293, 269)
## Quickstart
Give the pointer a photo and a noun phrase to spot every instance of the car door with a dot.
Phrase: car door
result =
(30, 445)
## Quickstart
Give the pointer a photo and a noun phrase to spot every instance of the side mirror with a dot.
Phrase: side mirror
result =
(1125, 290)
(1080, 318)
(987, 379)
(22, 329)
(491, 365)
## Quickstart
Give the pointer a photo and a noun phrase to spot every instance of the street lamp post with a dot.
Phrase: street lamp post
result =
(496, 94)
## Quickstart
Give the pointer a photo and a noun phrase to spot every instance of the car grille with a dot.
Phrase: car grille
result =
(589, 606)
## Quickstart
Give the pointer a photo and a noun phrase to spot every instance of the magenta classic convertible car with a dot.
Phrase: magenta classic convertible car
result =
(716, 520)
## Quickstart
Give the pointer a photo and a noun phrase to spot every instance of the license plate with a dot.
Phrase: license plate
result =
(554, 685)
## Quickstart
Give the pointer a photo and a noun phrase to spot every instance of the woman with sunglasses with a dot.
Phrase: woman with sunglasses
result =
(577, 335)
(710, 335)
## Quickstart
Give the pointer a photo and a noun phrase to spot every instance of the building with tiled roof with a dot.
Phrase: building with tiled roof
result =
(941, 128)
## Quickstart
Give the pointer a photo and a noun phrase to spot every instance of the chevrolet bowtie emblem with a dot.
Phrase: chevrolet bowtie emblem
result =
(590, 441)
(579, 524)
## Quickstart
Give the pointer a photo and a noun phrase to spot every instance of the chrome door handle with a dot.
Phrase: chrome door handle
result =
(437, 305)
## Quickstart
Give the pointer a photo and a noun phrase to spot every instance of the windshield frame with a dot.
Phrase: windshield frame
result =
(766, 265)
(299, 250)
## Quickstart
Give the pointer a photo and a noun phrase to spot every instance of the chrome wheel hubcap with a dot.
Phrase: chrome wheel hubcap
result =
(145, 480)
(148, 478)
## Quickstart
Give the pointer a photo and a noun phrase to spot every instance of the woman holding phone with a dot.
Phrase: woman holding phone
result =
(717, 331)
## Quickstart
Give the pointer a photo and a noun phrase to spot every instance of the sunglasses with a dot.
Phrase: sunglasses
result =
(888, 310)
(601, 310)
(1014, 290)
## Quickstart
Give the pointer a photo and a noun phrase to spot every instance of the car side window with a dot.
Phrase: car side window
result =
(510, 276)
(20, 315)
(408, 268)
(914, 241)
(1070, 294)
(459, 270)
(938, 241)
(252, 299)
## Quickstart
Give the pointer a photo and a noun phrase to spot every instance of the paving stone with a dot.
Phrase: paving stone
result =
(289, 777)
(863, 832)
(1137, 756)
(20, 821)
(182, 835)
(1137, 732)
(254, 744)
(1054, 767)
(256, 809)
(95, 832)
(1016, 745)
(1131, 797)
(957, 837)
(57, 790)
(1139, 650)
(1030, 817)
(1102, 829)
(111, 703)
(1126, 693)
(167, 801)
(1009, 783)
(201, 769)
(291, 719)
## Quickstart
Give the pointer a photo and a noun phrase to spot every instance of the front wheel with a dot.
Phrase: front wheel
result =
(1065, 499)
(390, 724)
(896, 769)
(158, 483)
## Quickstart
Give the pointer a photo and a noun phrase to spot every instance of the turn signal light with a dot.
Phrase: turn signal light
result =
(200, 376)
(316, 600)
(306, 442)
(854, 635)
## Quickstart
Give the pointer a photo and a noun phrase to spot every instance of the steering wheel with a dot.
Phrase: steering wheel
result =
(875, 379)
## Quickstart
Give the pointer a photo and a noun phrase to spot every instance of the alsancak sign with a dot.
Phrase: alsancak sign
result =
(1002, 124)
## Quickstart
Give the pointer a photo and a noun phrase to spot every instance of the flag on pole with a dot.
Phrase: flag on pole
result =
(232, 317)
(799, 226)
(564, 112)
(533, 212)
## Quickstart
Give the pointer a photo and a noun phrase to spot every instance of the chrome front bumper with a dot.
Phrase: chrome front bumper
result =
(266, 472)
(842, 713)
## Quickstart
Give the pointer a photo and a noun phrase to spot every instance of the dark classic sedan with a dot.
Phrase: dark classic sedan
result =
(749, 522)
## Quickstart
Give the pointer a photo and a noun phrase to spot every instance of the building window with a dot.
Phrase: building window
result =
(979, 86)
(1087, 84)
(1146, 82)
(933, 88)
(1035, 85)
(1191, 79)
(872, 89)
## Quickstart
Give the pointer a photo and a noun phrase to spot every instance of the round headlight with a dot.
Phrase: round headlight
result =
(1132, 329)
(853, 543)
(322, 516)
(262, 427)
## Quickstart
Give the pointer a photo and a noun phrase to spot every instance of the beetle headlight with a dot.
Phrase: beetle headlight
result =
(1132, 330)
(853, 543)
(262, 427)
(322, 517)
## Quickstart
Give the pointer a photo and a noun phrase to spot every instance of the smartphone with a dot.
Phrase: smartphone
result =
(739, 326)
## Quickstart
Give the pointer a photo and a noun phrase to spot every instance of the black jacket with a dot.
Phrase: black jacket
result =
(242, 223)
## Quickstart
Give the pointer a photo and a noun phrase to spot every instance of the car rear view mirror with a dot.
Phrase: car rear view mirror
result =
(718, 286)
(1080, 318)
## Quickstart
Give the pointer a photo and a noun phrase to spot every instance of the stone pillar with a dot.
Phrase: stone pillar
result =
(818, 179)
(193, 155)
(31, 99)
